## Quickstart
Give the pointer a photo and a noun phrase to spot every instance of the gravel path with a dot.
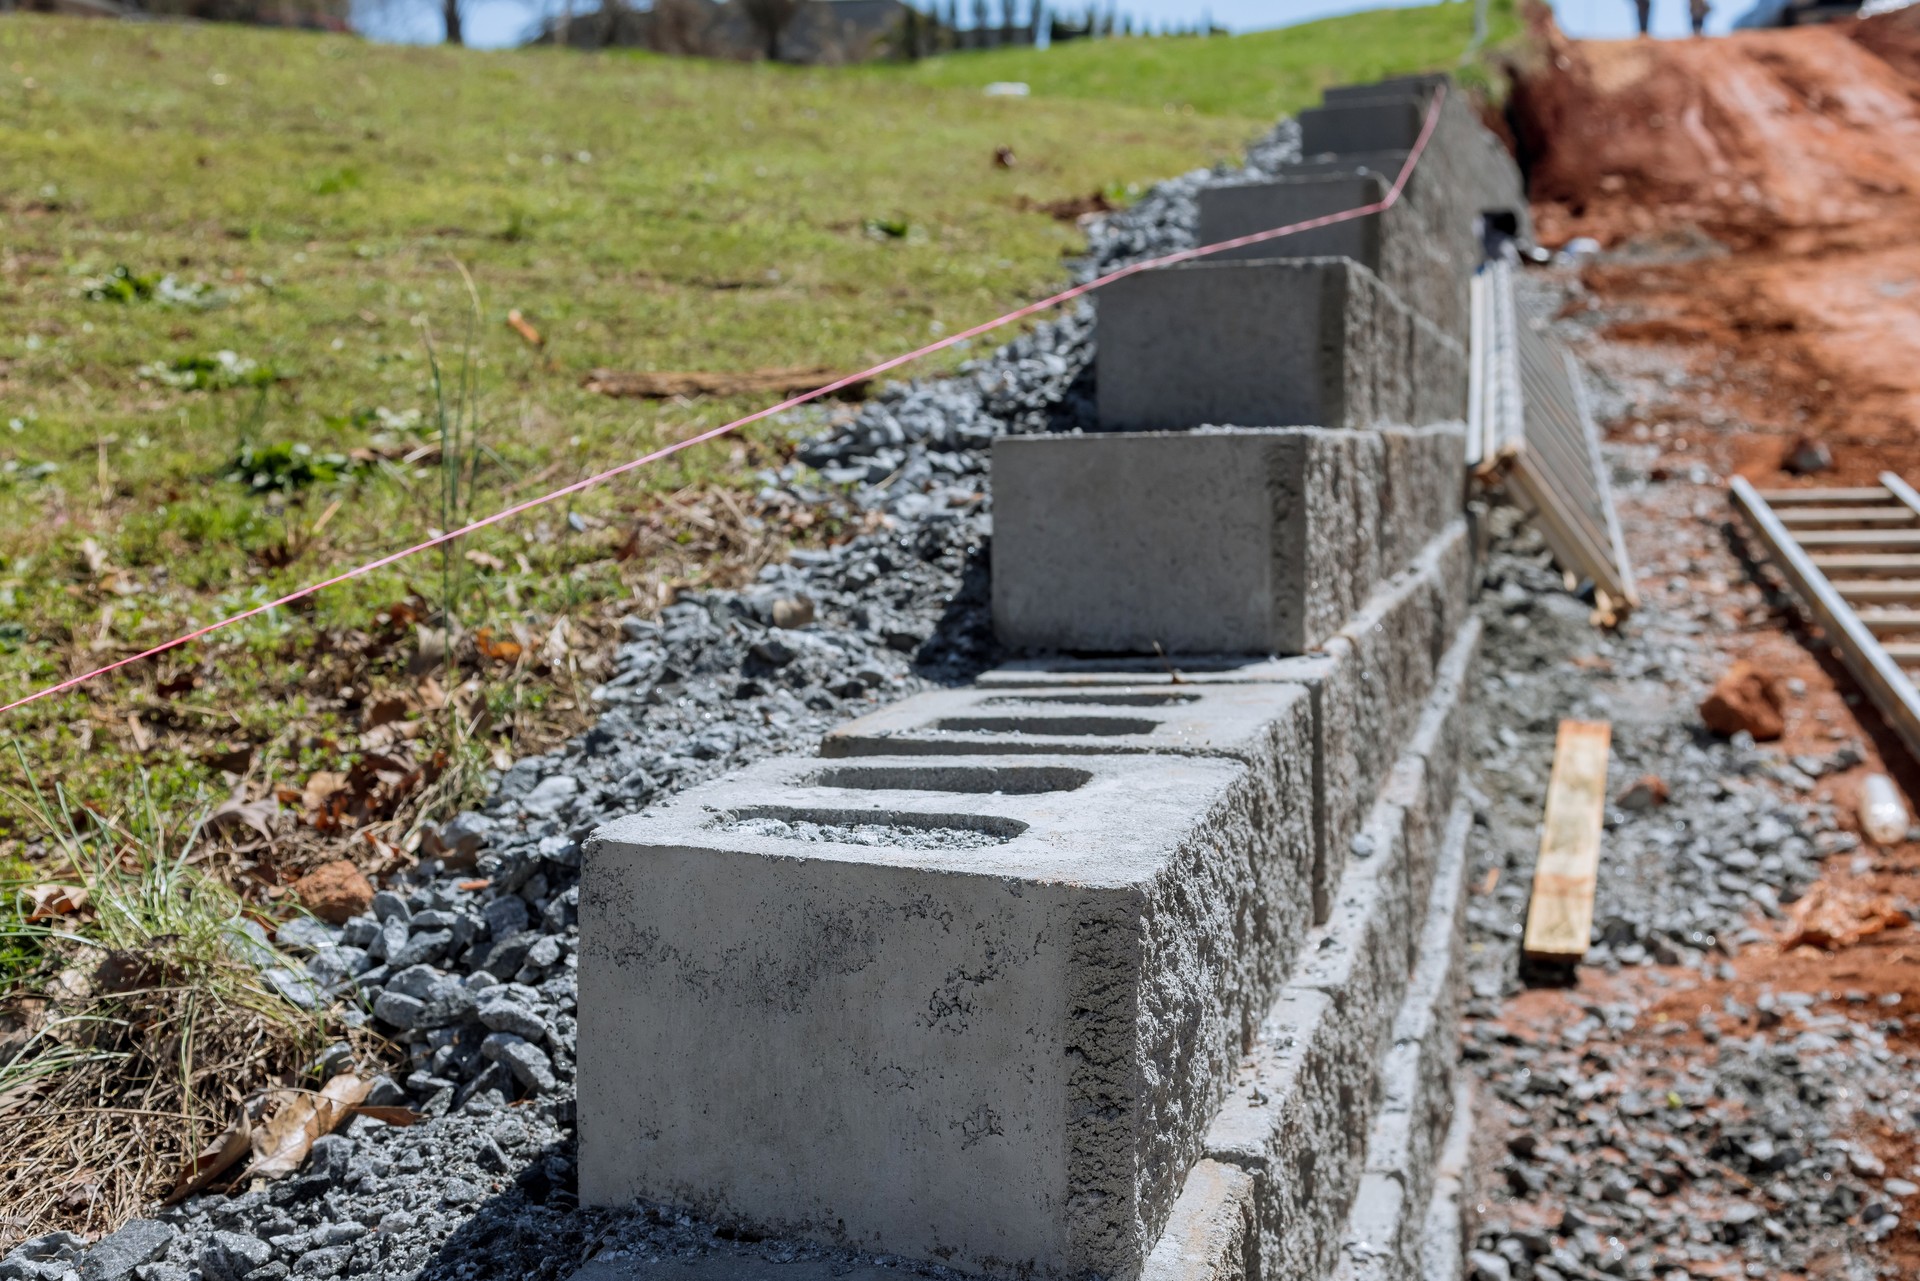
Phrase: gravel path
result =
(1702, 1102)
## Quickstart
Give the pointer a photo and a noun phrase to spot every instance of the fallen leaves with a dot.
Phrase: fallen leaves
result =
(50, 901)
(295, 1118)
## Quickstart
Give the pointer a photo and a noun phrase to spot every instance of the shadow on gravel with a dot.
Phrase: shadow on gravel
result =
(962, 644)
(535, 1229)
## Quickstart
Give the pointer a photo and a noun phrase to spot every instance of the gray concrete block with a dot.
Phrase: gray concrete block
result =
(1419, 86)
(1425, 256)
(1316, 342)
(1258, 541)
(1305, 1101)
(1389, 122)
(1444, 1238)
(1209, 1234)
(1425, 780)
(728, 1267)
(1375, 1245)
(1267, 725)
(992, 1033)
(1367, 688)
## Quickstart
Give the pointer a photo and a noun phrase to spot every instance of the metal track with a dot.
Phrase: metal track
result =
(1529, 425)
(1869, 539)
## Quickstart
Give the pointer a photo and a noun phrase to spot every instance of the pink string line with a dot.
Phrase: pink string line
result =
(865, 375)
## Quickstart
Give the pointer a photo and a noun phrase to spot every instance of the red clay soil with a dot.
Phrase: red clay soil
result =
(1766, 188)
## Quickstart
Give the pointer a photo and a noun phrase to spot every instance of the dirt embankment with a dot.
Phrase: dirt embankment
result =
(1761, 192)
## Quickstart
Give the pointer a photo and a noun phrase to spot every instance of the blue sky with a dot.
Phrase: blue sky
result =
(491, 23)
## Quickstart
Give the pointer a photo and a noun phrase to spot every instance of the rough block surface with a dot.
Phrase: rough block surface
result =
(991, 1033)
(1208, 1236)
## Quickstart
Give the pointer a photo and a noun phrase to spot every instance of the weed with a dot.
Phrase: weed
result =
(138, 1002)
(283, 466)
(120, 285)
(221, 371)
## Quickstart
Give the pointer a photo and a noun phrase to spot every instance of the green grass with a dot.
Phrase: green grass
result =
(223, 256)
(1261, 74)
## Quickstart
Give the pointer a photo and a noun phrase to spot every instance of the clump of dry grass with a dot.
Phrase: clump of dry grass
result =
(134, 1019)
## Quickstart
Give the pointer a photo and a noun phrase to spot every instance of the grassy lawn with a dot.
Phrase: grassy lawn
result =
(1261, 74)
(342, 217)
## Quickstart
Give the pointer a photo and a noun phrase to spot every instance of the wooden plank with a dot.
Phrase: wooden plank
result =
(1806, 517)
(1863, 563)
(1788, 497)
(1560, 914)
(1872, 590)
(1864, 540)
(1877, 671)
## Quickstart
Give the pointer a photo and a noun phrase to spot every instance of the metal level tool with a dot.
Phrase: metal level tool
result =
(1852, 556)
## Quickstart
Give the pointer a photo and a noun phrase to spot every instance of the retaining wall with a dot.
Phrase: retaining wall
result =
(1115, 966)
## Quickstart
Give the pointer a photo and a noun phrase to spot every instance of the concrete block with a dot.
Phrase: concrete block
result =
(1316, 342)
(1304, 1102)
(1267, 726)
(1370, 123)
(1209, 1234)
(971, 1009)
(1425, 256)
(1425, 780)
(1443, 1242)
(1256, 541)
(1242, 209)
(1419, 86)
(728, 1266)
(1367, 688)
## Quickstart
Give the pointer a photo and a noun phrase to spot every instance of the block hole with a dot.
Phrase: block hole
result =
(879, 828)
(1053, 726)
(1096, 698)
(1007, 780)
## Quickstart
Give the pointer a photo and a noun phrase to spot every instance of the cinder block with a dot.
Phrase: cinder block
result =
(1424, 256)
(1419, 85)
(1208, 1236)
(1266, 725)
(1425, 780)
(1367, 687)
(1316, 342)
(1443, 1244)
(991, 1033)
(1305, 1101)
(1255, 541)
(1390, 122)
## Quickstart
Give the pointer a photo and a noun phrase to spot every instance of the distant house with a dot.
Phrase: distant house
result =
(821, 31)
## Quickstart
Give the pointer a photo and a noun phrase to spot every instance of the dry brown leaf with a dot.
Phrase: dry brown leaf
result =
(486, 560)
(321, 785)
(55, 900)
(554, 652)
(392, 1116)
(214, 1160)
(236, 812)
(280, 1145)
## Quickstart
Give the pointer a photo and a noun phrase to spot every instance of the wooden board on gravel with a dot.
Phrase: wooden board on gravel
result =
(1560, 914)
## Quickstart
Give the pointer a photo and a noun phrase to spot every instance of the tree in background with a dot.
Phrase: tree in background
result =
(770, 18)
